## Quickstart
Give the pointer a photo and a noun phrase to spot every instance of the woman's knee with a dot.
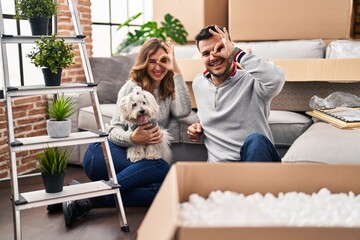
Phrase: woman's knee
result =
(93, 162)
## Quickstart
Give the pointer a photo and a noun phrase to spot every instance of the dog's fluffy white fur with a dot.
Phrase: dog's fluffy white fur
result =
(138, 108)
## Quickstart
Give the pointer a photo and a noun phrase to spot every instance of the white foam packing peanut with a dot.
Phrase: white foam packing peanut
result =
(287, 209)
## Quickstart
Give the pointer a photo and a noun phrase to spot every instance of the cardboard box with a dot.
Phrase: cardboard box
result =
(296, 70)
(193, 14)
(251, 20)
(160, 222)
(321, 70)
(345, 70)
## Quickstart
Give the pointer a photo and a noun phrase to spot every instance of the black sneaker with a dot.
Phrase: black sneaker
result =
(56, 208)
(75, 209)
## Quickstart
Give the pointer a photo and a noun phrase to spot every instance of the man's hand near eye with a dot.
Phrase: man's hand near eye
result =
(224, 47)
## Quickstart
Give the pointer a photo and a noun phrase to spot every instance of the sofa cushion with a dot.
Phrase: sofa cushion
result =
(287, 126)
(293, 49)
(324, 143)
(86, 118)
(343, 49)
(110, 73)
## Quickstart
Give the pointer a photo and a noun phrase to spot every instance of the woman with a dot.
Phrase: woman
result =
(156, 71)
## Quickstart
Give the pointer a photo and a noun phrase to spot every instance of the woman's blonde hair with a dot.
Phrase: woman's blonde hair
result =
(139, 74)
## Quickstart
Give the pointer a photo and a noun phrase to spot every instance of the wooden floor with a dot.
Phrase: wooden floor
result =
(37, 223)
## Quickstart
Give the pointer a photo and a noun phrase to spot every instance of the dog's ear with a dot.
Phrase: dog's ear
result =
(151, 100)
(123, 107)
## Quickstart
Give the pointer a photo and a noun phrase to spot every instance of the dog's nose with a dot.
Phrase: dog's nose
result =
(142, 111)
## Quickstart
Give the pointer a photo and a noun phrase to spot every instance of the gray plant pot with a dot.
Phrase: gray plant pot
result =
(58, 129)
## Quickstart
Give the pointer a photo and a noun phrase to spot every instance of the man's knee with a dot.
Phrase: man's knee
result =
(256, 138)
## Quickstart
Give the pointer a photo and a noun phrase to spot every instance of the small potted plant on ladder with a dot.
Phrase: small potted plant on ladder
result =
(52, 163)
(59, 109)
(38, 12)
(53, 55)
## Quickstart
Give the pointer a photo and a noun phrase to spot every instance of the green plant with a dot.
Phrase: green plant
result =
(52, 53)
(53, 160)
(61, 107)
(25, 9)
(170, 28)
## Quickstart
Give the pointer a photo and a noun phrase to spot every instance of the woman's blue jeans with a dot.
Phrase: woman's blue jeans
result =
(258, 148)
(139, 181)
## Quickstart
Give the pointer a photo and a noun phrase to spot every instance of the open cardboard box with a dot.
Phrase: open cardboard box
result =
(160, 222)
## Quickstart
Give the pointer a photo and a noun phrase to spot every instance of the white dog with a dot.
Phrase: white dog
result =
(138, 108)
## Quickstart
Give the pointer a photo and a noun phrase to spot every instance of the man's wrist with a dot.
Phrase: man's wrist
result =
(234, 53)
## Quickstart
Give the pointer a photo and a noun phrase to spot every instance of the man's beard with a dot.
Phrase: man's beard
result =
(226, 71)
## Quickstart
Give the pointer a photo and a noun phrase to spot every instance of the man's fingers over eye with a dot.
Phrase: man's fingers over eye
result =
(218, 47)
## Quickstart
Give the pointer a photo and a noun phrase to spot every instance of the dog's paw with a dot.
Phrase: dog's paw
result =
(153, 152)
(153, 156)
(135, 153)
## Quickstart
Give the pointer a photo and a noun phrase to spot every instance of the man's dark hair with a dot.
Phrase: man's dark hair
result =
(205, 34)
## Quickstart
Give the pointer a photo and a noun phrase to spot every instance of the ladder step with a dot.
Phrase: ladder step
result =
(70, 193)
(41, 89)
(75, 138)
(31, 39)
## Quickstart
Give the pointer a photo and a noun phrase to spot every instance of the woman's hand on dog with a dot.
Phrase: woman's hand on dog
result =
(168, 61)
(146, 134)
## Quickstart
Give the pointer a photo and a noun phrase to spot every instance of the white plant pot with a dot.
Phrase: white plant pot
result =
(58, 129)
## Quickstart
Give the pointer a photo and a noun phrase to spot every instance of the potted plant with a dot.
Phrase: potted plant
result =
(59, 109)
(53, 55)
(52, 163)
(170, 28)
(38, 12)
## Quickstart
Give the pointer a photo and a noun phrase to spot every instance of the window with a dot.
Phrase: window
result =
(106, 17)
(21, 70)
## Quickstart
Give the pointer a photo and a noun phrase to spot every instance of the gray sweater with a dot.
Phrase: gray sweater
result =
(238, 107)
(179, 106)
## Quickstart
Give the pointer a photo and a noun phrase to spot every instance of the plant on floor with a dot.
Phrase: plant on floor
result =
(53, 54)
(171, 28)
(59, 109)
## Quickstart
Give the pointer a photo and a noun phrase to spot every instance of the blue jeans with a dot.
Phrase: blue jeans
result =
(258, 148)
(139, 182)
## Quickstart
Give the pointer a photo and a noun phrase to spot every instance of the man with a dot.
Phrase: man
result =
(234, 105)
